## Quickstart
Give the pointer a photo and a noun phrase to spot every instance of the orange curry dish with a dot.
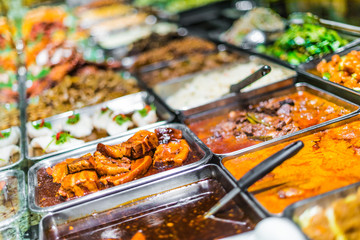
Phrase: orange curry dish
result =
(329, 160)
(143, 154)
(266, 120)
(343, 70)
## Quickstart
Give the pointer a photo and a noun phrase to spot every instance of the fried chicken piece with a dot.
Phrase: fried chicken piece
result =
(138, 168)
(78, 184)
(58, 172)
(85, 162)
(165, 135)
(109, 166)
(173, 153)
(136, 147)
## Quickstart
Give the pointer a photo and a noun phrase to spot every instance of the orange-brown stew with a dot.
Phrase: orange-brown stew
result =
(268, 119)
(329, 160)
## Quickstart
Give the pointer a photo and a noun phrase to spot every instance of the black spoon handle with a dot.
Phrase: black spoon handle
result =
(235, 88)
(269, 164)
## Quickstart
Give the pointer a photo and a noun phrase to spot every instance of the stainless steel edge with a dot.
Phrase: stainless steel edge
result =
(294, 210)
(32, 174)
(126, 104)
(209, 171)
(320, 127)
(163, 90)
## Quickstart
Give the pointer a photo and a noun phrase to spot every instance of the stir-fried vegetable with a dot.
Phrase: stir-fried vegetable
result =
(174, 5)
(301, 43)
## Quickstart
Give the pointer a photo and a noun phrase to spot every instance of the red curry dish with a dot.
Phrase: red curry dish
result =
(143, 154)
(266, 120)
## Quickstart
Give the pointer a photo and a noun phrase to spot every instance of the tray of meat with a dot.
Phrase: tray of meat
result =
(190, 194)
(174, 50)
(193, 63)
(112, 166)
(247, 122)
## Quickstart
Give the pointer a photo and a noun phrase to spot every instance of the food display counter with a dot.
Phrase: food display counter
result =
(118, 120)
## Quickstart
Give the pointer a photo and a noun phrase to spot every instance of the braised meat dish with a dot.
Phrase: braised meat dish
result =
(264, 121)
(143, 154)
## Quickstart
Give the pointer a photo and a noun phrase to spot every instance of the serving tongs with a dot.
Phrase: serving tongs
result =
(257, 173)
(237, 87)
(306, 17)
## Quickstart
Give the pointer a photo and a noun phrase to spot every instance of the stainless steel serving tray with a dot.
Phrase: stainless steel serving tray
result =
(304, 69)
(136, 195)
(21, 144)
(353, 41)
(320, 127)
(126, 104)
(19, 163)
(193, 141)
(324, 200)
(237, 102)
(21, 189)
(168, 88)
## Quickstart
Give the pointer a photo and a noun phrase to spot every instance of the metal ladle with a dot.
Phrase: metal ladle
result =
(264, 70)
(257, 173)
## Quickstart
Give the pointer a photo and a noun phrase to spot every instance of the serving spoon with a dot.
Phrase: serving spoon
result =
(237, 87)
(257, 173)
(306, 17)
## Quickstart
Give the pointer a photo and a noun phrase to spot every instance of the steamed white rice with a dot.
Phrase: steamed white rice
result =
(207, 87)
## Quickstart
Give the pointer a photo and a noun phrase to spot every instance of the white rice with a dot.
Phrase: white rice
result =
(207, 87)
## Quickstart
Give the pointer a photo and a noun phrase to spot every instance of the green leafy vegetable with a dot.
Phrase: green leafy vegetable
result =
(5, 134)
(301, 43)
(144, 112)
(121, 119)
(61, 137)
(42, 124)
(327, 75)
(73, 119)
(43, 73)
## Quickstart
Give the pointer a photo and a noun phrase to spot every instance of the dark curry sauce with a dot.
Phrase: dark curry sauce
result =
(175, 214)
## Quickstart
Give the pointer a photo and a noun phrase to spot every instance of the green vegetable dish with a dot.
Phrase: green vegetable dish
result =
(174, 5)
(302, 43)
